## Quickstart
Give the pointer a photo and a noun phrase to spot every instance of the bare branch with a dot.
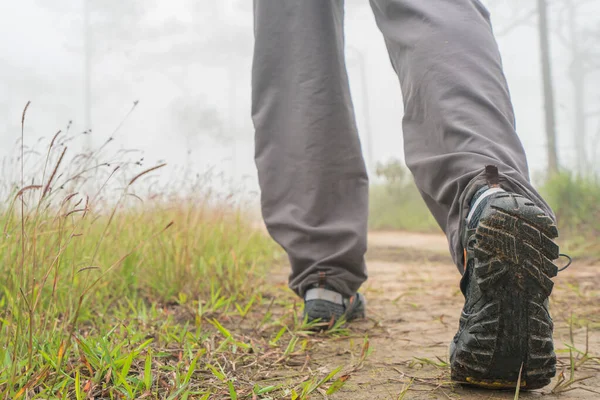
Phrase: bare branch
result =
(561, 24)
(517, 21)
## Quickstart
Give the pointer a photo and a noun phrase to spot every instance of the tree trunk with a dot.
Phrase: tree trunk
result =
(577, 75)
(87, 75)
(550, 119)
(578, 80)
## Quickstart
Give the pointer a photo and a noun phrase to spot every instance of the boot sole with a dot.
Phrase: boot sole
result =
(512, 331)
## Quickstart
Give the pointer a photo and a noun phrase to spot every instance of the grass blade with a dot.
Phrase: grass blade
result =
(232, 392)
(148, 372)
(518, 389)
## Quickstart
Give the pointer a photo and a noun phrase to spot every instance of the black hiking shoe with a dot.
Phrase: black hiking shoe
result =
(505, 325)
(325, 307)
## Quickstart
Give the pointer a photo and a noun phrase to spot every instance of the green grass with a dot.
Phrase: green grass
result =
(576, 203)
(399, 208)
(112, 286)
(396, 204)
(125, 302)
(106, 292)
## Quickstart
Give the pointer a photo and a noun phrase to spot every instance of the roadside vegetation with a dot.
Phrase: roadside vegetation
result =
(117, 284)
(113, 285)
(576, 203)
(395, 202)
(397, 205)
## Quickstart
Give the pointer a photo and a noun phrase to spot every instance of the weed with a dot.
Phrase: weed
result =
(438, 364)
(577, 360)
(112, 289)
(405, 389)
(396, 202)
(575, 201)
(113, 286)
(518, 388)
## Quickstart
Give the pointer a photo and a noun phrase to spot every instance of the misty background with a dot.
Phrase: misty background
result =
(188, 64)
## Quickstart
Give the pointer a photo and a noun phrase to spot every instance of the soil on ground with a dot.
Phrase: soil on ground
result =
(414, 303)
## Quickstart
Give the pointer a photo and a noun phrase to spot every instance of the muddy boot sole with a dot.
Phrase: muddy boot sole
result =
(510, 330)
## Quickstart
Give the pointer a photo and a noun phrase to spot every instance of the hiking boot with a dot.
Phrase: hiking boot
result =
(505, 326)
(325, 307)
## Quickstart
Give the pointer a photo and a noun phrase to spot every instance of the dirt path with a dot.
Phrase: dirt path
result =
(413, 308)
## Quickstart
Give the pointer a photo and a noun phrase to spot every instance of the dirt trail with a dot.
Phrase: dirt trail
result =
(413, 308)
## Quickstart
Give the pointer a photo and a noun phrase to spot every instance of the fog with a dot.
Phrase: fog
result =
(188, 64)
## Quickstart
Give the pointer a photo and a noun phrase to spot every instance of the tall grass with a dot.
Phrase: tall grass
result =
(576, 203)
(105, 292)
(400, 208)
(396, 204)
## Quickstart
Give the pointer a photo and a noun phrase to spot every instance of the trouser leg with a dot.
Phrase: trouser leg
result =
(458, 115)
(314, 186)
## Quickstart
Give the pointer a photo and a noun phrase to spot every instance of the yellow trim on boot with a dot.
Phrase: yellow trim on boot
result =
(495, 385)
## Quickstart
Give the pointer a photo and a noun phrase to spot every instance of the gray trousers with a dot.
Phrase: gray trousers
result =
(458, 118)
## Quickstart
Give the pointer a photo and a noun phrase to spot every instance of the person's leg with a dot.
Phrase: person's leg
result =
(458, 120)
(314, 186)
(458, 115)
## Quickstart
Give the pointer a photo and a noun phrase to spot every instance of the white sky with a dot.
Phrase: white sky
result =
(47, 44)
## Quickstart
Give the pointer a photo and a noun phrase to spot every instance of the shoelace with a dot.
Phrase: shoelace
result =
(568, 264)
